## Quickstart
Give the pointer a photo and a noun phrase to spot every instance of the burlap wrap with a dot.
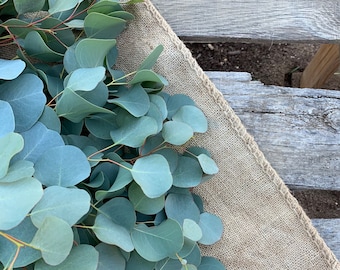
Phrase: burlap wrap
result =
(265, 227)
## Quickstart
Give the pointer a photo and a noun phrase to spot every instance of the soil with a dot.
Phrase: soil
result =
(273, 64)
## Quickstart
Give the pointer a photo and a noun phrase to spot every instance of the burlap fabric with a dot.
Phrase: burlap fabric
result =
(264, 226)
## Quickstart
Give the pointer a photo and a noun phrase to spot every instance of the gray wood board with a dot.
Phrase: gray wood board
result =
(303, 20)
(298, 130)
(329, 230)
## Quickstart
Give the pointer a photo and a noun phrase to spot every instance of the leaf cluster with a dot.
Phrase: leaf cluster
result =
(89, 171)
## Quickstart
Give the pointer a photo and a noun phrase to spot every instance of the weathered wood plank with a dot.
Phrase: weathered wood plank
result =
(297, 129)
(329, 230)
(290, 20)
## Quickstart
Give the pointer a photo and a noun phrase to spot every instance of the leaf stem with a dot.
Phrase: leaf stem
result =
(114, 81)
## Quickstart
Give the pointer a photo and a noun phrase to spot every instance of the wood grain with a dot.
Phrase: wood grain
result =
(323, 65)
(289, 20)
(298, 130)
(329, 230)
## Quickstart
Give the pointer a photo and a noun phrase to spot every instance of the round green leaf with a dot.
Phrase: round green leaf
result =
(133, 133)
(69, 204)
(98, 25)
(56, 6)
(175, 102)
(191, 230)
(192, 116)
(212, 228)
(11, 69)
(91, 52)
(18, 170)
(10, 144)
(160, 103)
(180, 207)
(62, 166)
(111, 233)
(100, 125)
(147, 75)
(54, 239)
(50, 119)
(188, 173)
(17, 199)
(177, 133)
(152, 174)
(144, 204)
(26, 97)
(110, 256)
(84, 257)
(208, 164)
(85, 79)
(158, 242)
(210, 263)
(135, 100)
(25, 231)
(35, 46)
(37, 140)
(137, 262)
(7, 118)
(75, 108)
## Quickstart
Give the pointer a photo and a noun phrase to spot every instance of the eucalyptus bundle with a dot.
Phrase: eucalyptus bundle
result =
(94, 172)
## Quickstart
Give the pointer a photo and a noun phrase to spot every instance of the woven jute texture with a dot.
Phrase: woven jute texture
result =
(264, 226)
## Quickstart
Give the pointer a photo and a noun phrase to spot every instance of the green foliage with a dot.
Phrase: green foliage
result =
(90, 177)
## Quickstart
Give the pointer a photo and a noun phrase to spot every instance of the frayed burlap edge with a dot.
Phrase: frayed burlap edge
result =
(330, 261)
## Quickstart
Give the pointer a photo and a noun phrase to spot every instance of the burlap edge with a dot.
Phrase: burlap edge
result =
(237, 125)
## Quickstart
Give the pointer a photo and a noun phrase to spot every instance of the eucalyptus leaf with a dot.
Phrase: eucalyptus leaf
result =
(105, 7)
(100, 125)
(7, 118)
(192, 116)
(212, 228)
(10, 144)
(17, 199)
(17, 171)
(91, 52)
(56, 6)
(25, 232)
(25, 6)
(26, 97)
(188, 173)
(84, 257)
(36, 47)
(177, 133)
(175, 102)
(208, 164)
(54, 239)
(37, 140)
(85, 79)
(134, 133)
(144, 204)
(50, 119)
(62, 166)
(11, 69)
(192, 230)
(180, 207)
(162, 241)
(110, 256)
(152, 174)
(69, 204)
(111, 233)
(98, 96)
(152, 58)
(122, 15)
(102, 26)
(135, 101)
(75, 108)
(146, 75)
(137, 262)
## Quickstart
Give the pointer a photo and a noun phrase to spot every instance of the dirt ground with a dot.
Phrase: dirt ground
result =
(273, 64)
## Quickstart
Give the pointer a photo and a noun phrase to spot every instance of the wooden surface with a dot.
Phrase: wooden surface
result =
(298, 130)
(329, 229)
(323, 65)
(280, 20)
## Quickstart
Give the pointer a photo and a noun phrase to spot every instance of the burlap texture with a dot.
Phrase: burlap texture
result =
(264, 226)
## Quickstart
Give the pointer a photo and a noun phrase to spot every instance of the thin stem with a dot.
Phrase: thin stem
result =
(53, 99)
(114, 81)
(100, 151)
